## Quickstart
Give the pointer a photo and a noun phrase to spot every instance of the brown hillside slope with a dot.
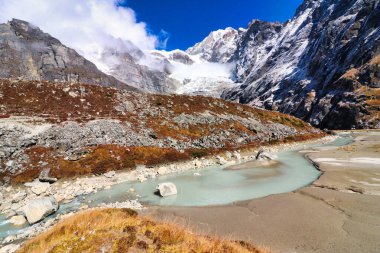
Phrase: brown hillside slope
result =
(120, 230)
(95, 129)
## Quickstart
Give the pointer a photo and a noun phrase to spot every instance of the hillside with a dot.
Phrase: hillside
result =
(120, 230)
(76, 129)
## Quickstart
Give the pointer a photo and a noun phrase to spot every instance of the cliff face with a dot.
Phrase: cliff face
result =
(29, 54)
(320, 66)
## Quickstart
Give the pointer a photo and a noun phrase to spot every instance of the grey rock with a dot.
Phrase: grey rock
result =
(44, 177)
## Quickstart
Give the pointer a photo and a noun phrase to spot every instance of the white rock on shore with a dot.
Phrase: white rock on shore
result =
(36, 210)
(167, 189)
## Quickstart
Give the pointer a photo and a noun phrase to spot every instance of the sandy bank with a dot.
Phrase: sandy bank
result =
(337, 213)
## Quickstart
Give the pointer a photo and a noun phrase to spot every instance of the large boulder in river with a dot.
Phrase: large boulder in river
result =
(166, 189)
(37, 209)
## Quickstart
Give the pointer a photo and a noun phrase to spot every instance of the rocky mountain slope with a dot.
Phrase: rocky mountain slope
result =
(124, 66)
(101, 129)
(27, 53)
(219, 46)
(321, 66)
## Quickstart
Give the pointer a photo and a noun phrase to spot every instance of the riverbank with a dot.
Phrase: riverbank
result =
(66, 191)
(337, 213)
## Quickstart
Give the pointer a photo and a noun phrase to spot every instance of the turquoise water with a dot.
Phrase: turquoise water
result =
(215, 186)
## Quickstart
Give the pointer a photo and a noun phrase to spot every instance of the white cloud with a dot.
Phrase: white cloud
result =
(88, 26)
(201, 69)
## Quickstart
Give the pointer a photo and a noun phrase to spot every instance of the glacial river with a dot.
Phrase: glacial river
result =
(214, 186)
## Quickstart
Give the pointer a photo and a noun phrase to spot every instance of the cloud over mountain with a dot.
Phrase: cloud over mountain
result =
(88, 26)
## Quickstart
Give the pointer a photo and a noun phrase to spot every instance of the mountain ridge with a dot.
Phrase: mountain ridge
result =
(28, 53)
(298, 68)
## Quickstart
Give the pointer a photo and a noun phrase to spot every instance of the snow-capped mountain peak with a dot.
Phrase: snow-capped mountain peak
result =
(218, 46)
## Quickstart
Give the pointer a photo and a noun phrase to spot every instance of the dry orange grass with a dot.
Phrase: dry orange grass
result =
(120, 230)
(99, 160)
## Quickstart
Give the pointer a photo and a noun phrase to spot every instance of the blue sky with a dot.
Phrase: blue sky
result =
(189, 21)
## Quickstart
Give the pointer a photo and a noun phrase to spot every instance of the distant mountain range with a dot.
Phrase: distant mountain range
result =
(322, 66)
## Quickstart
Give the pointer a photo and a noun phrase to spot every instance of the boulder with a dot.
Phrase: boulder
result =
(166, 189)
(110, 174)
(40, 188)
(18, 220)
(44, 177)
(37, 209)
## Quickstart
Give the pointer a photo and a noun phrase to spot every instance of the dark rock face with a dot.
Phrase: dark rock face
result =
(316, 65)
(29, 54)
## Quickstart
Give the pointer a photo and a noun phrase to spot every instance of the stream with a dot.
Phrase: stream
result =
(211, 186)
